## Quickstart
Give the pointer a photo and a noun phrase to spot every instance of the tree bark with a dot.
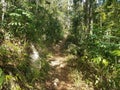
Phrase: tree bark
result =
(3, 9)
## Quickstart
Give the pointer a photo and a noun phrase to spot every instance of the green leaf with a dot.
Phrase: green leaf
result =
(1, 77)
(116, 52)
(15, 14)
(105, 62)
(97, 60)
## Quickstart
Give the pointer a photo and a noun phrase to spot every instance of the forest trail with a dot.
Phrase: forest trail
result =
(60, 72)
(58, 75)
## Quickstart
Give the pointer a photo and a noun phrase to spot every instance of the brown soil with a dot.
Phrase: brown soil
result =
(59, 74)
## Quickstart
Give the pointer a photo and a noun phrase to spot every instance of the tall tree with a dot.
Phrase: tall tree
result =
(4, 4)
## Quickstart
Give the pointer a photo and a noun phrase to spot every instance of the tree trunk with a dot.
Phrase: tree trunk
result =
(3, 9)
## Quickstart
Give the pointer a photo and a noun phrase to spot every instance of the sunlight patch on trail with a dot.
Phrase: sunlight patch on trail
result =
(58, 61)
(63, 76)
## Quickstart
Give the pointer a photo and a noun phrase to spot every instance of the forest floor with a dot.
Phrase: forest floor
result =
(61, 75)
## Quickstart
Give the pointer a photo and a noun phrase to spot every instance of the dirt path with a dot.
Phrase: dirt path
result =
(60, 73)
(61, 78)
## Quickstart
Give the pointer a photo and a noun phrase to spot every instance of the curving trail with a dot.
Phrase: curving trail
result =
(60, 77)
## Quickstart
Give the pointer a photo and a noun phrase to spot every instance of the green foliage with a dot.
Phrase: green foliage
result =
(24, 23)
(99, 44)
(116, 52)
(18, 67)
(94, 38)
(103, 53)
(27, 22)
(2, 77)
